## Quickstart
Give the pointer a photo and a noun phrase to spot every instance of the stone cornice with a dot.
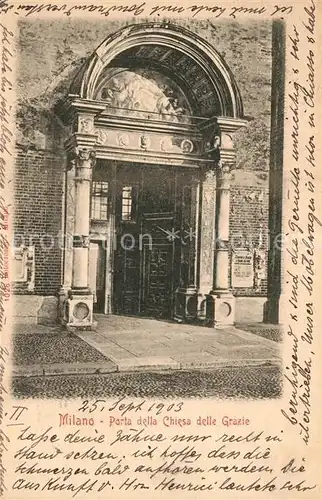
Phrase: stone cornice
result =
(228, 124)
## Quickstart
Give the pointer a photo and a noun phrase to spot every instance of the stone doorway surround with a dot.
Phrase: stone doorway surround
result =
(202, 140)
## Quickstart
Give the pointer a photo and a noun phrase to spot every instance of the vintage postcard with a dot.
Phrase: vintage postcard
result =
(161, 229)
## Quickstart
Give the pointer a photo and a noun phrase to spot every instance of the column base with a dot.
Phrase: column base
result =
(186, 303)
(78, 310)
(220, 309)
(202, 308)
(62, 298)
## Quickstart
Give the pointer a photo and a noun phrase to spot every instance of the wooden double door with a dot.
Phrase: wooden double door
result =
(148, 240)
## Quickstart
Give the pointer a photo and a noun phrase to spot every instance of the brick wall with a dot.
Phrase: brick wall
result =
(38, 214)
(249, 220)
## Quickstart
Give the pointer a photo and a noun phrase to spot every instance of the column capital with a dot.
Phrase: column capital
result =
(81, 157)
(84, 154)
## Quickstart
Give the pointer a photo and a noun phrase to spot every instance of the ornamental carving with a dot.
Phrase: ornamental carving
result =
(81, 157)
(187, 146)
(85, 154)
(123, 140)
(101, 136)
(144, 93)
(144, 142)
(86, 125)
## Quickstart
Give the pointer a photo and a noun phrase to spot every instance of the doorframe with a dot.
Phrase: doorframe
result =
(140, 167)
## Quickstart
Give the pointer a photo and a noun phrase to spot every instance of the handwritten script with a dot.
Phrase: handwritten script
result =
(102, 452)
(302, 224)
(145, 9)
(6, 142)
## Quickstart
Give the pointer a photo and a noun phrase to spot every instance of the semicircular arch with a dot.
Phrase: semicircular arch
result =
(193, 52)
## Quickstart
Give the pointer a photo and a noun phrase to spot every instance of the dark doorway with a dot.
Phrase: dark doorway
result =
(147, 256)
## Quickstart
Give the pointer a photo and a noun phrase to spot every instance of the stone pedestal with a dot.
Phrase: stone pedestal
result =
(220, 309)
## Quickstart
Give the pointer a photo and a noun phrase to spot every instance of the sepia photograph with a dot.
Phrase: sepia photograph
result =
(147, 222)
(160, 225)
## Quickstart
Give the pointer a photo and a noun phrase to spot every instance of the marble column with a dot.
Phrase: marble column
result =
(207, 239)
(83, 177)
(80, 301)
(67, 239)
(221, 283)
(69, 226)
(220, 301)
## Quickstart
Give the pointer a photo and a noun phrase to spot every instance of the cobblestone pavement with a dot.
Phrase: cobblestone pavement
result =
(258, 382)
(267, 331)
(56, 347)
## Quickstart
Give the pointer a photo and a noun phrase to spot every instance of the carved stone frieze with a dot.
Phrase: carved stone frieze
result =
(101, 136)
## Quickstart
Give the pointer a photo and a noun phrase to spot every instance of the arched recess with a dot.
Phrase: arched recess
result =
(199, 67)
(154, 143)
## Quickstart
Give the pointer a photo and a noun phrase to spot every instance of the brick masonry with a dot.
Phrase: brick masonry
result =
(38, 214)
(45, 71)
(249, 220)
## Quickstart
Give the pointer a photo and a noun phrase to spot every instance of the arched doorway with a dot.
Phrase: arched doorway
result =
(152, 114)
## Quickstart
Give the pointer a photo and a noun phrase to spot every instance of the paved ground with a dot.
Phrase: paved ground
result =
(139, 357)
(225, 383)
(142, 344)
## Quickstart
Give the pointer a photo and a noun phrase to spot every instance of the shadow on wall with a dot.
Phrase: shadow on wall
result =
(252, 145)
(38, 125)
